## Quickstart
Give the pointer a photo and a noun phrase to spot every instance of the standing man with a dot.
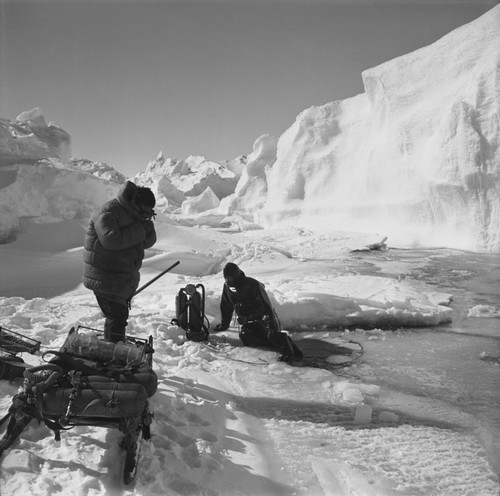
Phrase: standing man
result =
(259, 323)
(113, 253)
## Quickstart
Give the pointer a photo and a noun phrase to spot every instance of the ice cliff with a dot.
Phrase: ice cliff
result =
(416, 157)
(39, 180)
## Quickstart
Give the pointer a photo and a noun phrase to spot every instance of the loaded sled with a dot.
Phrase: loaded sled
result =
(89, 382)
(12, 343)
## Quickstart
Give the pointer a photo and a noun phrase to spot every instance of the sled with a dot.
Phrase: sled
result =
(12, 343)
(90, 382)
(190, 312)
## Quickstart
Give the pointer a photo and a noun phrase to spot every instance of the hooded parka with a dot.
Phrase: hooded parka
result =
(114, 247)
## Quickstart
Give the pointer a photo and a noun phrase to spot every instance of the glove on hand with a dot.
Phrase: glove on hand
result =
(147, 215)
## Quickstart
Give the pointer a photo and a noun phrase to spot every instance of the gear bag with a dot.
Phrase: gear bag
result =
(89, 382)
(190, 312)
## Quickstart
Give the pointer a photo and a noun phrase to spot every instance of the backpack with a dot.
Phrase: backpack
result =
(190, 312)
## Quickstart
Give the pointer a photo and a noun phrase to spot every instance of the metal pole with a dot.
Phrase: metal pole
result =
(155, 278)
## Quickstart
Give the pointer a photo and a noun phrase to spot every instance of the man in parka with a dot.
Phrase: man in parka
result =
(113, 253)
(259, 323)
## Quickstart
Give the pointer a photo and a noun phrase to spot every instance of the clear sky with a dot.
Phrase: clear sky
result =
(128, 78)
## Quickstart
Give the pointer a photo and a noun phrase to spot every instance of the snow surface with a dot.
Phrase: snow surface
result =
(418, 415)
(232, 420)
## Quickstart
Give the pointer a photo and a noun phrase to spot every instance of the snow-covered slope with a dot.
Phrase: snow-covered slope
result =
(416, 156)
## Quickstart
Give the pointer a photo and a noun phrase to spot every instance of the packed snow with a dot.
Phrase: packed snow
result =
(416, 414)
(233, 420)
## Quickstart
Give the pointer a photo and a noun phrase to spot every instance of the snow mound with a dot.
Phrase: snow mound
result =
(205, 201)
(367, 302)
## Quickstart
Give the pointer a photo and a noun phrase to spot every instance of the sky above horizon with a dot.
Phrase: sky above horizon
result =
(128, 79)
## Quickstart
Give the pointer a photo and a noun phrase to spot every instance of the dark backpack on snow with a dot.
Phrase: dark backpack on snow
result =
(190, 312)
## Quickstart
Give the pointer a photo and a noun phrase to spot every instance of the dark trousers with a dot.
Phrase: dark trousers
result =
(257, 334)
(254, 334)
(116, 315)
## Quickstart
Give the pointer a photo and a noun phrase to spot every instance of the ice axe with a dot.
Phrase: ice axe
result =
(153, 280)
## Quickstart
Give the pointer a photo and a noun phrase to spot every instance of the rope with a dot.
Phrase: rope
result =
(228, 357)
(264, 362)
(357, 354)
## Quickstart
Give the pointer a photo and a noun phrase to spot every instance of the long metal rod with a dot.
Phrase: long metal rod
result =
(156, 278)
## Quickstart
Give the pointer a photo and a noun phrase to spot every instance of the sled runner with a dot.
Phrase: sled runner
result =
(89, 382)
(12, 343)
(190, 312)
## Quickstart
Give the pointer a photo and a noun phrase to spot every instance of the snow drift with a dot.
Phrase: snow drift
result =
(416, 156)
